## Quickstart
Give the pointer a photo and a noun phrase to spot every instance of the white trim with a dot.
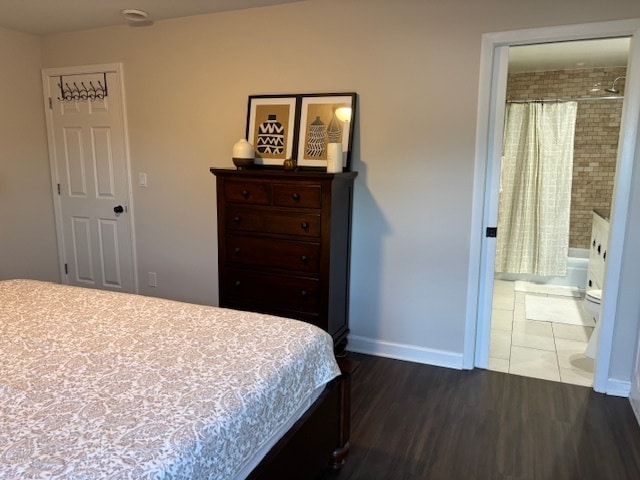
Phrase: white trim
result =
(57, 209)
(563, 33)
(127, 150)
(409, 353)
(83, 69)
(487, 183)
(620, 212)
(474, 297)
(618, 388)
(477, 324)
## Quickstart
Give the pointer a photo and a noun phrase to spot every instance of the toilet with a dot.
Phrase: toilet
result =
(591, 303)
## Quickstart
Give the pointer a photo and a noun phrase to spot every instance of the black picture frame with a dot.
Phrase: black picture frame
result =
(325, 118)
(272, 127)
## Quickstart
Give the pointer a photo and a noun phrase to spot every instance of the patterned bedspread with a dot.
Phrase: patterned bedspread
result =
(97, 384)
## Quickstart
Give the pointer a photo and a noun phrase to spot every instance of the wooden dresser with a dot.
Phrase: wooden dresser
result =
(284, 244)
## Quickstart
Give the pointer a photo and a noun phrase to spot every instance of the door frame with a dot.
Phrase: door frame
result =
(57, 204)
(489, 129)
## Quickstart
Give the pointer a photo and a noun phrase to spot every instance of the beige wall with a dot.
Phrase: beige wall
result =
(27, 237)
(415, 65)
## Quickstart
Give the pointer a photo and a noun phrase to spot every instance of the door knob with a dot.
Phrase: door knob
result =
(118, 209)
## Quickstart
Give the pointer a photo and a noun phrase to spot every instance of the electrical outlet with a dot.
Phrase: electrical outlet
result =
(153, 279)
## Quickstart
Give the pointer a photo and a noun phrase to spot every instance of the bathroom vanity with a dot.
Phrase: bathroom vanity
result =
(598, 250)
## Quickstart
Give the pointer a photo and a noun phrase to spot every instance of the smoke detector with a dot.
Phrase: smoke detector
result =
(136, 17)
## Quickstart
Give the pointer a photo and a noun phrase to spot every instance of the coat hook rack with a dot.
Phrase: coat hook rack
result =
(74, 92)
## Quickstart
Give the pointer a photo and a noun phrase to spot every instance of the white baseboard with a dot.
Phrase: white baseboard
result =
(409, 353)
(618, 388)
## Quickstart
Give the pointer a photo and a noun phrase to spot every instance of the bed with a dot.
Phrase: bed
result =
(98, 384)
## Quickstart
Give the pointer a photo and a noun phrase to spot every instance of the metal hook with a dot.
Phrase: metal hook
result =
(70, 93)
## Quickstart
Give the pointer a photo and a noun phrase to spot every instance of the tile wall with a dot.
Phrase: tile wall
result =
(596, 136)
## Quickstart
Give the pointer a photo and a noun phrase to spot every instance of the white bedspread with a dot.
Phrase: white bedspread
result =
(96, 384)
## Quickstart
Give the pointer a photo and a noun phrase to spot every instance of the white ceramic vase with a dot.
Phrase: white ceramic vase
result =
(243, 154)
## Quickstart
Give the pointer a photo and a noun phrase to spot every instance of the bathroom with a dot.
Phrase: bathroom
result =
(538, 344)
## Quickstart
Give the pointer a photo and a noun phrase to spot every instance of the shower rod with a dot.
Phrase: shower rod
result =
(558, 100)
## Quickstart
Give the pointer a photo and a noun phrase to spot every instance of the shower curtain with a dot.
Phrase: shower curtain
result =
(535, 188)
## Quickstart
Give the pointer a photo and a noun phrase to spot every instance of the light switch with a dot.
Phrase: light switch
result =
(143, 179)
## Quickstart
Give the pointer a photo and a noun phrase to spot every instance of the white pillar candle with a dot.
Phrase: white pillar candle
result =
(334, 157)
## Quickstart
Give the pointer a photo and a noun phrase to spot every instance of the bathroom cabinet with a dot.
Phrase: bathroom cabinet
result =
(598, 251)
(284, 240)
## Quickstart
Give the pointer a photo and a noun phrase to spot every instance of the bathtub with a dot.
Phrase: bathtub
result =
(577, 266)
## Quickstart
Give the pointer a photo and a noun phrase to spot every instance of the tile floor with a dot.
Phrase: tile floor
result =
(548, 350)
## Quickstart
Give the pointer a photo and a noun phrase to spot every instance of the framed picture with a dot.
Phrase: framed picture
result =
(271, 127)
(324, 119)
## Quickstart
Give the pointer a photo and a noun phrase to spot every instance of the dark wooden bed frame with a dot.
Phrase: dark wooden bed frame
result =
(318, 440)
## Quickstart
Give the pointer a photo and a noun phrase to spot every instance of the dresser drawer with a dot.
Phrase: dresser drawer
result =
(254, 193)
(296, 195)
(273, 221)
(271, 291)
(301, 257)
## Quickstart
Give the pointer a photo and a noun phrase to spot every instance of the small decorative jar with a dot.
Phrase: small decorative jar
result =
(290, 164)
(243, 154)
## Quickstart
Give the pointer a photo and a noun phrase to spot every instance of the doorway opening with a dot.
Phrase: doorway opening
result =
(563, 113)
(615, 360)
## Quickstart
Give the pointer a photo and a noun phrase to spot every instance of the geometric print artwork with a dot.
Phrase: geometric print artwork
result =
(300, 127)
(316, 139)
(270, 128)
(271, 136)
(322, 127)
(334, 130)
(318, 136)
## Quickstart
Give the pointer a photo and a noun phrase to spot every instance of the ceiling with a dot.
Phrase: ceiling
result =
(611, 52)
(43, 17)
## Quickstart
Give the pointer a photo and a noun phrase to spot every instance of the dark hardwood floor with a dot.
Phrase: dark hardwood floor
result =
(412, 421)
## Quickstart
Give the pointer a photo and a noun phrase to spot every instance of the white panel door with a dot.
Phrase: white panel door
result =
(91, 180)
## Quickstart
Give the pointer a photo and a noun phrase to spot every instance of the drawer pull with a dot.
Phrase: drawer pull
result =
(237, 250)
(236, 219)
(304, 258)
(304, 225)
(604, 256)
(599, 248)
(237, 284)
(303, 294)
(295, 196)
(244, 193)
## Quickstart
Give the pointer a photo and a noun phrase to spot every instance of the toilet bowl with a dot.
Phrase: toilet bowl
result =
(592, 303)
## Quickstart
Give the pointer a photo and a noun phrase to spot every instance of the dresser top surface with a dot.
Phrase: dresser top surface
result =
(279, 173)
